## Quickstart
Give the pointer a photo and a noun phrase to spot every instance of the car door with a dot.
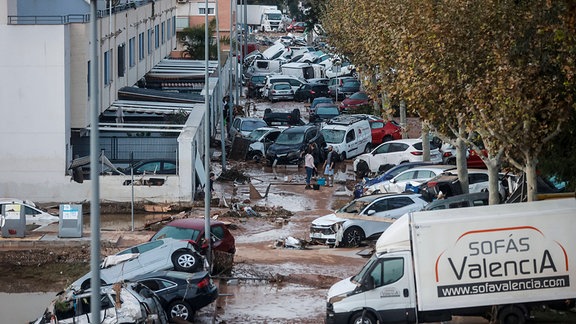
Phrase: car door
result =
(379, 157)
(269, 139)
(352, 147)
(397, 153)
(377, 209)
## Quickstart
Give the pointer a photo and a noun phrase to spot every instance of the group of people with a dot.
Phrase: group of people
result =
(311, 159)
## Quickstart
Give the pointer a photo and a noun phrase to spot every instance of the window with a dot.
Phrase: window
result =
(399, 202)
(149, 246)
(163, 32)
(202, 11)
(121, 60)
(108, 67)
(350, 136)
(141, 46)
(386, 272)
(169, 28)
(156, 36)
(132, 52)
(88, 78)
(150, 31)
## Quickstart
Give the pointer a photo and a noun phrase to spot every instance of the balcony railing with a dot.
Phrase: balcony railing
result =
(73, 18)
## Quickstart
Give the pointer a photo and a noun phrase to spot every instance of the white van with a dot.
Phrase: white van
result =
(349, 135)
(303, 70)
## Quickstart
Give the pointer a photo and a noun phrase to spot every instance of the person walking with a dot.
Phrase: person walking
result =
(310, 167)
(329, 167)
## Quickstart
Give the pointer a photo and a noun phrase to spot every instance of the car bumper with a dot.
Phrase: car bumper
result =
(204, 299)
(323, 235)
(284, 159)
(283, 97)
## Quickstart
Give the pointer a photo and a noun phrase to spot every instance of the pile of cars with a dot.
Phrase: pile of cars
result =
(158, 281)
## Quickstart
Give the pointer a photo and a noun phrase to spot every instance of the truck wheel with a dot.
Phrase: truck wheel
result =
(363, 318)
(352, 237)
(511, 315)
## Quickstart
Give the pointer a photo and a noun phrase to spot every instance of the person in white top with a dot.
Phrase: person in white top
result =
(310, 167)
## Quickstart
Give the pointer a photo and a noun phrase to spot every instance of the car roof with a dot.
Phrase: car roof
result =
(370, 198)
(193, 223)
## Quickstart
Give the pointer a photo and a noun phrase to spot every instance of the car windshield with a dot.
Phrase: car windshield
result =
(333, 136)
(327, 111)
(250, 125)
(177, 233)
(259, 79)
(359, 95)
(282, 86)
(363, 272)
(354, 207)
(319, 101)
(256, 134)
(290, 138)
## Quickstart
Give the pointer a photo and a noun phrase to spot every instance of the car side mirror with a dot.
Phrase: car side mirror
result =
(369, 283)
(371, 212)
(392, 180)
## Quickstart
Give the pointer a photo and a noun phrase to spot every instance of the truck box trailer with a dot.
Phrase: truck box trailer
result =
(497, 261)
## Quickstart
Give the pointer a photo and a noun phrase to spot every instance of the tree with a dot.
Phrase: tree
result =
(193, 39)
(496, 68)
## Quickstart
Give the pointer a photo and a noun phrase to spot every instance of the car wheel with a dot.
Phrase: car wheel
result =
(181, 309)
(353, 236)
(256, 156)
(362, 169)
(363, 318)
(267, 111)
(342, 156)
(87, 284)
(186, 261)
(354, 74)
(296, 113)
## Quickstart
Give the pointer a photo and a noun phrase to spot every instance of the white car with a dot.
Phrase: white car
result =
(157, 255)
(413, 177)
(393, 153)
(34, 215)
(363, 218)
(261, 139)
(126, 303)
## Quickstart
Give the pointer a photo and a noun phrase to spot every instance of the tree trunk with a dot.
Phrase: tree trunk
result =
(461, 164)
(531, 181)
(425, 142)
(493, 181)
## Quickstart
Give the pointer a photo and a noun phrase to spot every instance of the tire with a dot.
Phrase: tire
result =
(267, 111)
(366, 318)
(353, 236)
(86, 284)
(354, 74)
(343, 156)
(180, 309)
(511, 315)
(368, 148)
(296, 113)
(362, 169)
(256, 156)
(186, 261)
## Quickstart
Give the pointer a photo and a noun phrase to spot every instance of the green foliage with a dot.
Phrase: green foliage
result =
(193, 39)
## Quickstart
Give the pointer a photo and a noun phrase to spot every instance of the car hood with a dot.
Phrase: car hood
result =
(366, 157)
(341, 287)
(328, 220)
(284, 148)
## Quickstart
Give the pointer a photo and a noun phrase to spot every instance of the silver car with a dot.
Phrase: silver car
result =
(280, 91)
(164, 254)
(363, 218)
(126, 303)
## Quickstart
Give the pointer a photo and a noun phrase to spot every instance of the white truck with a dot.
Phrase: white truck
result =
(497, 261)
(271, 20)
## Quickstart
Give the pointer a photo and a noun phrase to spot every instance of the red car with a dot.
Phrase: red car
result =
(193, 229)
(354, 101)
(296, 27)
(384, 131)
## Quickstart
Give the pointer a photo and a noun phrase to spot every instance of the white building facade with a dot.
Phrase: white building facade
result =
(44, 92)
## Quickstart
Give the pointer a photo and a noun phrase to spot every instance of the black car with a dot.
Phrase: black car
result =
(349, 87)
(292, 142)
(274, 118)
(181, 294)
(309, 91)
(324, 112)
(158, 166)
(255, 83)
